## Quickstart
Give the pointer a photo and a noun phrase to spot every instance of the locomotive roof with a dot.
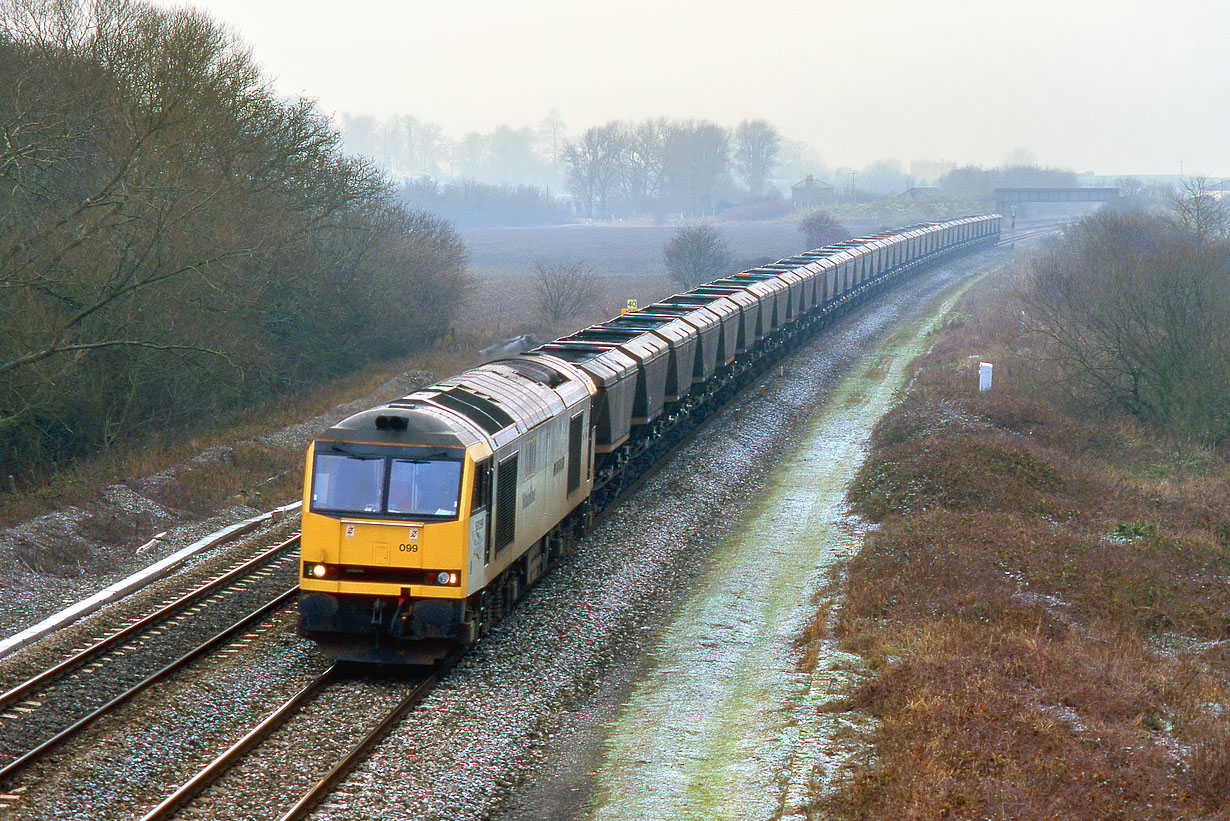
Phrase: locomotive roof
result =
(404, 423)
(493, 403)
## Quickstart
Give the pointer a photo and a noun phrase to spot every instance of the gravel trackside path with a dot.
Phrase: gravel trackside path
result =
(723, 725)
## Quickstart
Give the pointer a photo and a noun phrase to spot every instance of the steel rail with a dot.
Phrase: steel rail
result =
(214, 770)
(24, 760)
(316, 794)
(73, 662)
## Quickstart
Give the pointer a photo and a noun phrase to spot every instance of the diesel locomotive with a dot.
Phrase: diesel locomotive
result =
(425, 519)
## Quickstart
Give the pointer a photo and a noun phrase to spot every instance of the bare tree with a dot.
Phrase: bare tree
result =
(470, 154)
(697, 163)
(592, 166)
(1130, 187)
(551, 130)
(564, 289)
(757, 145)
(696, 254)
(643, 163)
(883, 177)
(1200, 211)
(1134, 315)
(820, 229)
(169, 231)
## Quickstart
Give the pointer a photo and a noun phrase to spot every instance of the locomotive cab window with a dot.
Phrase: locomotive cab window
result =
(422, 487)
(347, 483)
(386, 482)
(482, 486)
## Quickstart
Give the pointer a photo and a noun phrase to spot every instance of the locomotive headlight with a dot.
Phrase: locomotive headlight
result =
(452, 578)
(442, 577)
(319, 571)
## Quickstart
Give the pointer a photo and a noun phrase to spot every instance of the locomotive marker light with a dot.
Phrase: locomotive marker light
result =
(319, 571)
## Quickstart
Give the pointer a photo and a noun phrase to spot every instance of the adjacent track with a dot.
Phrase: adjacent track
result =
(46, 710)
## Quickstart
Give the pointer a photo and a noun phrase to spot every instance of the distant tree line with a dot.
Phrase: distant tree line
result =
(470, 203)
(407, 147)
(174, 240)
(659, 166)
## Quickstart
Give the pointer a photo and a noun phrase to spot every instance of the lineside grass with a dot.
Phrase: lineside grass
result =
(1045, 606)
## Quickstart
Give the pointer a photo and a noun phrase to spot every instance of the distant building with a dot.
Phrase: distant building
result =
(811, 191)
(921, 192)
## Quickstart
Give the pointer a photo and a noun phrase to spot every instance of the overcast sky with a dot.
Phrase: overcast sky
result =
(1110, 86)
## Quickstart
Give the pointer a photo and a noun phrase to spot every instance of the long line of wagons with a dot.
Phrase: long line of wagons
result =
(426, 518)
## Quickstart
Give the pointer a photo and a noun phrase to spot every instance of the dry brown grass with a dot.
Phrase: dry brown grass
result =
(1046, 605)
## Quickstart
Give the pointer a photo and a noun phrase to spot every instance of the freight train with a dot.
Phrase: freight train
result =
(425, 519)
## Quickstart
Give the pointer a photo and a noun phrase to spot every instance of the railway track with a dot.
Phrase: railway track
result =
(271, 756)
(1011, 237)
(46, 710)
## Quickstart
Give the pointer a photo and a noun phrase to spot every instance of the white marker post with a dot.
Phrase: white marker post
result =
(984, 376)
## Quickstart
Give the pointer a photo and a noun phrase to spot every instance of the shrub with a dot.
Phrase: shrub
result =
(696, 254)
(820, 229)
(965, 473)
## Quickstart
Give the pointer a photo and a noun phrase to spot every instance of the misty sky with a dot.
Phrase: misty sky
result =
(1111, 86)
